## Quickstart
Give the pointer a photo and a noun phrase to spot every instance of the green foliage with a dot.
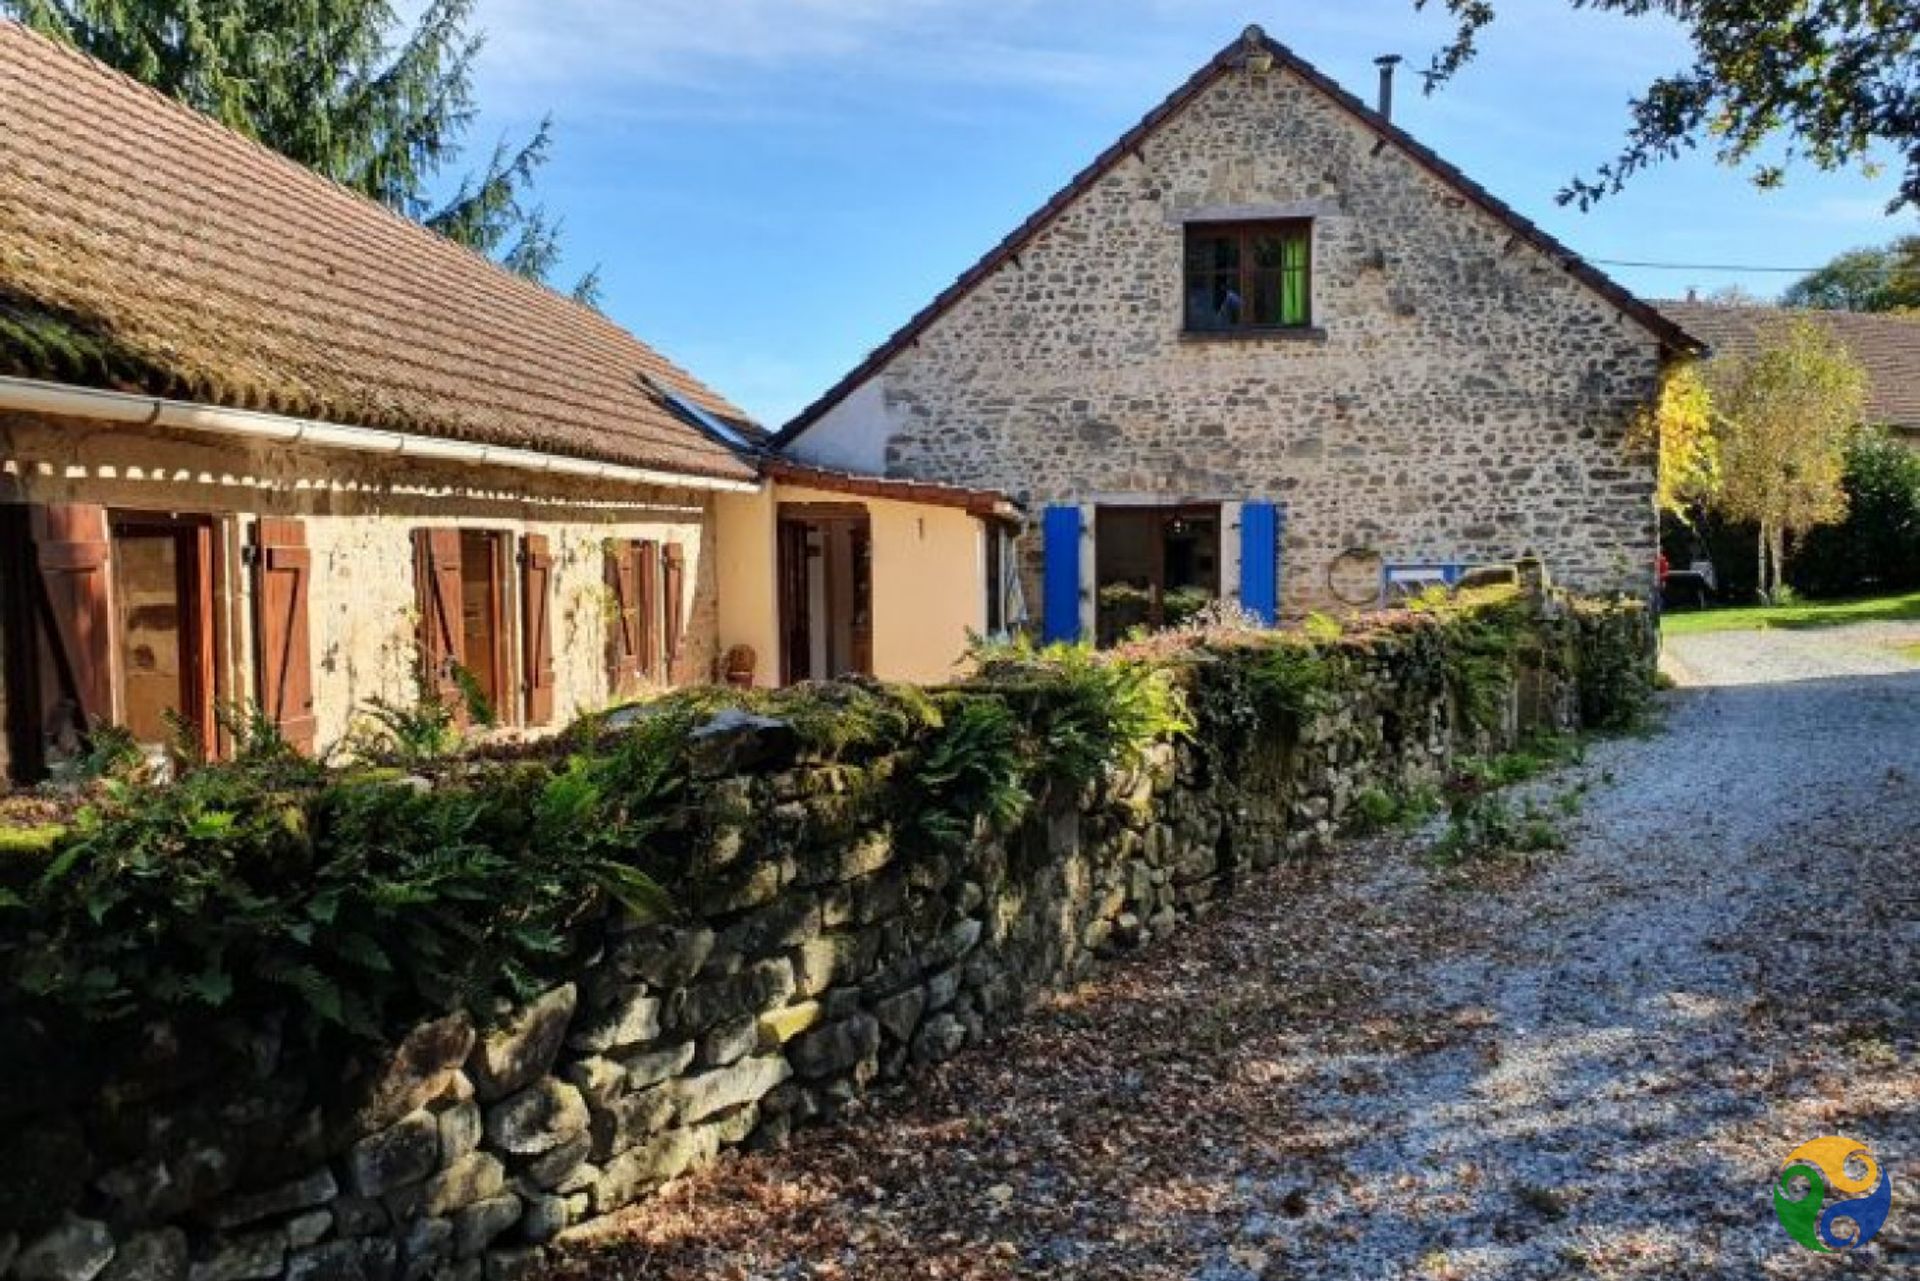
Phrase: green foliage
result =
(345, 89)
(112, 752)
(1479, 646)
(1826, 81)
(416, 733)
(1614, 651)
(356, 900)
(1088, 712)
(1877, 547)
(361, 897)
(1322, 628)
(1290, 680)
(1375, 809)
(1881, 278)
(977, 768)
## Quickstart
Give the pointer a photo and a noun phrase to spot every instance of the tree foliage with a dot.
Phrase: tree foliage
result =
(1785, 414)
(1886, 278)
(1877, 547)
(342, 87)
(1680, 425)
(1829, 78)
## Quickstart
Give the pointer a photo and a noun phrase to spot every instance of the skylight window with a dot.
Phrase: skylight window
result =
(712, 424)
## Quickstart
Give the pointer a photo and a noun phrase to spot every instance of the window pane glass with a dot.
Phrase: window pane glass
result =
(1269, 250)
(1267, 308)
(1213, 301)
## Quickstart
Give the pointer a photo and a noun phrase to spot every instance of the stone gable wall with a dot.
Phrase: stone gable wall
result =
(1466, 401)
(814, 957)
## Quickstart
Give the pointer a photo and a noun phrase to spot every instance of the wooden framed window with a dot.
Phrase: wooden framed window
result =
(633, 631)
(465, 641)
(1249, 277)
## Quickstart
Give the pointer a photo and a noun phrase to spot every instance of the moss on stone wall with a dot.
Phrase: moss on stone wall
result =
(446, 1009)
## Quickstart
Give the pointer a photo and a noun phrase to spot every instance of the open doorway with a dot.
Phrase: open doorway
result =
(1156, 567)
(826, 591)
(163, 608)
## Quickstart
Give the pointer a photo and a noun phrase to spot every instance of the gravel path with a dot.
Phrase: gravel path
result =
(1589, 1063)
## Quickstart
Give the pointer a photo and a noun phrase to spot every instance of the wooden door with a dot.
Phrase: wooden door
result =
(796, 637)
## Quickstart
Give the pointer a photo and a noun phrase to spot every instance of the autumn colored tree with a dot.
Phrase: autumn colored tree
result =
(1680, 426)
(1784, 414)
(1828, 79)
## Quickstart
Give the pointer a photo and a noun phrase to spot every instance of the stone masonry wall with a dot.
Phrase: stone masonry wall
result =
(1463, 399)
(360, 511)
(814, 958)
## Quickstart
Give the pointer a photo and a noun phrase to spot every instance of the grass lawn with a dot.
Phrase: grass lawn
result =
(1876, 609)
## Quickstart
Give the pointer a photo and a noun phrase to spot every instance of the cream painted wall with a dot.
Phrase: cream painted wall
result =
(359, 513)
(929, 581)
(746, 561)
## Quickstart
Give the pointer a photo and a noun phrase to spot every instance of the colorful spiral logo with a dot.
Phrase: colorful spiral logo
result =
(1817, 1172)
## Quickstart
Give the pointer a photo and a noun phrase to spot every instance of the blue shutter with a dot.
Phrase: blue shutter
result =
(1061, 543)
(1260, 561)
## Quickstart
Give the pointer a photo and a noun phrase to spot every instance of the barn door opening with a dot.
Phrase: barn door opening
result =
(826, 591)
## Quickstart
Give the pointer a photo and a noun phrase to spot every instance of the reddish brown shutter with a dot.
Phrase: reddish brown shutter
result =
(282, 581)
(71, 548)
(536, 626)
(647, 555)
(674, 574)
(443, 639)
(623, 629)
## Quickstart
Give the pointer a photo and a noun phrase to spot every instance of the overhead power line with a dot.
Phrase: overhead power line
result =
(1722, 266)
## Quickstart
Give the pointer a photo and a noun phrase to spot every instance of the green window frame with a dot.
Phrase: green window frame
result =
(1248, 277)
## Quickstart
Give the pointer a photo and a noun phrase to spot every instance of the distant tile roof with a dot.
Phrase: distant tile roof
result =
(1888, 345)
(145, 247)
(1228, 60)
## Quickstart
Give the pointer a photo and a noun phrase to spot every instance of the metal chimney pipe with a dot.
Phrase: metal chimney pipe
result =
(1387, 63)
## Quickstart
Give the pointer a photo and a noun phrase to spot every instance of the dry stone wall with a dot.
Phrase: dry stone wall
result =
(814, 957)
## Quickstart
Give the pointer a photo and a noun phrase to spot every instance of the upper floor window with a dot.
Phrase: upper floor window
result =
(1250, 276)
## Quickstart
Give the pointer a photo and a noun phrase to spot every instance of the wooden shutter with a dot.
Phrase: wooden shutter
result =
(673, 575)
(623, 638)
(443, 638)
(71, 548)
(1259, 560)
(536, 626)
(1060, 539)
(282, 583)
(646, 555)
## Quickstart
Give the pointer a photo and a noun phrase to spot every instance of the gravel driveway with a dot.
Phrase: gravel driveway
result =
(1590, 1063)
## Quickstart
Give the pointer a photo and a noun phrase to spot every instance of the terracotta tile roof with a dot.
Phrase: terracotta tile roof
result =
(979, 502)
(1228, 60)
(1888, 345)
(145, 247)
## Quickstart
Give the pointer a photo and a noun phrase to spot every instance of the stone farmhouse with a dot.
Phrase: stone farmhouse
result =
(1887, 345)
(1269, 348)
(266, 443)
(263, 441)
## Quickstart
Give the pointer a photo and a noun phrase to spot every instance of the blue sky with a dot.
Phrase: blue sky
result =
(771, 187)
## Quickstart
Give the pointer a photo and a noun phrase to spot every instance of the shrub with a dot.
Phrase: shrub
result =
(1877, 547)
